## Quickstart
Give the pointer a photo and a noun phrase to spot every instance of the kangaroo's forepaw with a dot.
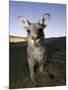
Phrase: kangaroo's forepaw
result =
(41, 69)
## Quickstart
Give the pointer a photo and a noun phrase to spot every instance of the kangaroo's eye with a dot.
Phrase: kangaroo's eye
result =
(40, 30)
(28, 31)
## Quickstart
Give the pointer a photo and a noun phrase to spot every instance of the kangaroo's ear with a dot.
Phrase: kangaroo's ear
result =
(44, 19)
(24, 22)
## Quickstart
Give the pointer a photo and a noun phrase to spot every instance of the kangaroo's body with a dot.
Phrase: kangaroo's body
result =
(36, 52)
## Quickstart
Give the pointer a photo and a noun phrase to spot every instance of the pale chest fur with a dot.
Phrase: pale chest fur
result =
(36, 53)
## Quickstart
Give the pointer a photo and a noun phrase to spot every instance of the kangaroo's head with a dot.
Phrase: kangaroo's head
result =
(35, 30)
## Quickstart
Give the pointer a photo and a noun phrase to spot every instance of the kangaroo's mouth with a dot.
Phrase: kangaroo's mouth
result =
(35, 43)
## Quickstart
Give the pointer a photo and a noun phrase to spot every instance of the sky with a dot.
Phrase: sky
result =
(33, 11)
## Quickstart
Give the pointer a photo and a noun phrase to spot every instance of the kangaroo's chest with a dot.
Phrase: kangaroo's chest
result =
(37, 53)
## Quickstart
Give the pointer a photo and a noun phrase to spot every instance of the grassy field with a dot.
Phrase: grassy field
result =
(55, 65)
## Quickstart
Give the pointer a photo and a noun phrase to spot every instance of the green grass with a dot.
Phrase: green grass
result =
(56, 65)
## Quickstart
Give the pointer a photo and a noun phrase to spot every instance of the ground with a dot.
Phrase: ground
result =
(55, 65)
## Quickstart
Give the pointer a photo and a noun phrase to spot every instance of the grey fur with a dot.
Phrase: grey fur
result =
(36, 52)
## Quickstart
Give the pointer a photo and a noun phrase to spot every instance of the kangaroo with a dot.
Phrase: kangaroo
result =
(36, 52)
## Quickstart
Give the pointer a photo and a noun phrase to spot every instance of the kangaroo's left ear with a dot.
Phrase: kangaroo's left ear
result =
(24, 22)
(44, 19)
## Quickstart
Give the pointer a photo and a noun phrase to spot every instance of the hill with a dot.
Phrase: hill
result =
(15, 39)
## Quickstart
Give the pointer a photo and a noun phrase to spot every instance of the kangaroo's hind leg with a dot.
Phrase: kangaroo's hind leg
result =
(31, 67)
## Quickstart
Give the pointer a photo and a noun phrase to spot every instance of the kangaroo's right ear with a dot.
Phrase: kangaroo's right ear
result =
(24, 22)
(44, 19)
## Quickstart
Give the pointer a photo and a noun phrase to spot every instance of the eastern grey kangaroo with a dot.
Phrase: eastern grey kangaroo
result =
(36, 52)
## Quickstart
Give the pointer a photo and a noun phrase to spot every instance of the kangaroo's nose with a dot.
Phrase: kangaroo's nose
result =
(35, 38)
